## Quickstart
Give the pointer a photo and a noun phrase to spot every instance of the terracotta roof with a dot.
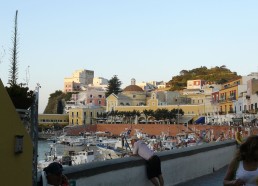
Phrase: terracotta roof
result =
(134, 88)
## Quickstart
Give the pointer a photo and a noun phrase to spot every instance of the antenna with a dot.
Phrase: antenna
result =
(27, 78)
(2, 54)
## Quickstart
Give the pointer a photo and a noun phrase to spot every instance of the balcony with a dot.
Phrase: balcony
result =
(222, 100)
(232, 98)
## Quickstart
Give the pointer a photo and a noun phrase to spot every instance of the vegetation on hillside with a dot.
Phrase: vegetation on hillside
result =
(216, 75)
(56, 102)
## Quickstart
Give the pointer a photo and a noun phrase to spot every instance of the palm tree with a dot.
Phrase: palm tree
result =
(147, 113)
(136, 114)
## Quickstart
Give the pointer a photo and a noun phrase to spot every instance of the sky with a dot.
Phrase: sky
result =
(148, 40)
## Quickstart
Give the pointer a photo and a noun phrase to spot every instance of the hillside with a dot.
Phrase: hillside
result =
(56, 102)
(217, 75)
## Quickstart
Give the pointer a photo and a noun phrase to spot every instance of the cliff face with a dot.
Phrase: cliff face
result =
(56, 102)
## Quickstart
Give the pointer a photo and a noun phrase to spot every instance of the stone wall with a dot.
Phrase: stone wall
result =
(178, 166)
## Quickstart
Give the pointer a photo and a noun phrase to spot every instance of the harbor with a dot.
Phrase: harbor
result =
(79, 145)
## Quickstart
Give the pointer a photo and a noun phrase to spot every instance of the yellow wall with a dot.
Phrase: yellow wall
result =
(226, 104)
(47, 119)
(77, 117)
(16, 169)
(152, 104)
(193, 110)
(111, 102)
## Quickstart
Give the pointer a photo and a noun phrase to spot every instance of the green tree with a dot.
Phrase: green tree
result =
(21, 97)
(114, 85)
(147, 113)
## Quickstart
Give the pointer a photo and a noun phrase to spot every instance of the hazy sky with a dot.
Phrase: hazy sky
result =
(142, 39)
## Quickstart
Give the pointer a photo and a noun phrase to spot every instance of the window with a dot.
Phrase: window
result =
(134, 96)
(100, 96)
(99, 102)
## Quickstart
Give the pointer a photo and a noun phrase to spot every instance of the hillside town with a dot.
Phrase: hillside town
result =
(232, 104)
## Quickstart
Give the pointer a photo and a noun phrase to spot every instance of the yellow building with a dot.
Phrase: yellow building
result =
(152, 103)
(227, 95)
(50, 119)
(15, 145)
(85, 115)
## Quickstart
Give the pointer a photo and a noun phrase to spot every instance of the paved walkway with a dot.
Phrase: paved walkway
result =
(215, 179)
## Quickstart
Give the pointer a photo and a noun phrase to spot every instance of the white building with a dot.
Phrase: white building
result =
(79, 78)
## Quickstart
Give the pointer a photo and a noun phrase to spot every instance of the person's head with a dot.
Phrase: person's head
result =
(54, 173)
(249, 149)
(134, 139)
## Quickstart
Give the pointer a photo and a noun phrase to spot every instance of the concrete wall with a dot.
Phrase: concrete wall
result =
(178, 166)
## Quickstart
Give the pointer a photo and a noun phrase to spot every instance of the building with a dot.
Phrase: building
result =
(131, 95)
(232, 94)
(15, 145)
(86, 115)
(134, 98)
(100, 82)
(93, 96)
(79, 78)
(49, 120)
(195, 84)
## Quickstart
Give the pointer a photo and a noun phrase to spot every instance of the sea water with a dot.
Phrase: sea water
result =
(44, 149)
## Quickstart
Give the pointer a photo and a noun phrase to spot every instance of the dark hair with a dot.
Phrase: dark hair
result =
(247, 149)
(53, 168)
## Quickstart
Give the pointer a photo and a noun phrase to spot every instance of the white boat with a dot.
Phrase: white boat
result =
(73, 158)
(82, 157)
(109, 150)
(51, 156)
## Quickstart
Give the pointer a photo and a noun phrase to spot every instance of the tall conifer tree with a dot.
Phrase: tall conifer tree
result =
(13, 76)
(114, 85)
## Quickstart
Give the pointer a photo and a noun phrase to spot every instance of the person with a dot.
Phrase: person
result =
(153, 164)
(243, 169)
(53, 175)
(220, 138)
(238, 136)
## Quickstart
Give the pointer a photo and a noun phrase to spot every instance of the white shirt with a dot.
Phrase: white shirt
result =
(142, 150)
(249, 177)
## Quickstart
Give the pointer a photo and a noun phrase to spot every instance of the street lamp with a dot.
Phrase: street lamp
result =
(178, 114)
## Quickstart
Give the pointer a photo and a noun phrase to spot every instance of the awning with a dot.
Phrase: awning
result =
(200, 120)
(185, 119)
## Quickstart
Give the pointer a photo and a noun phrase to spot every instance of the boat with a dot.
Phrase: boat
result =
(72, 158)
